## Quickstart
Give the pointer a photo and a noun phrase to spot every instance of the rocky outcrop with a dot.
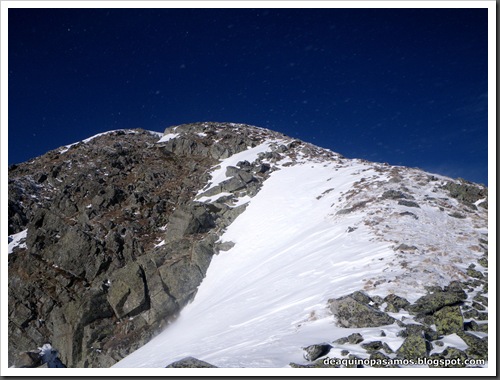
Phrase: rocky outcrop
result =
(117, 242)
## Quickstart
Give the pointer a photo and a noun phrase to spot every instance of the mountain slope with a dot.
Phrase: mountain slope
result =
(242, 237)
(319, 229)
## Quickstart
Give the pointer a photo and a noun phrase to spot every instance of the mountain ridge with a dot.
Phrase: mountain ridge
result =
(171, 206)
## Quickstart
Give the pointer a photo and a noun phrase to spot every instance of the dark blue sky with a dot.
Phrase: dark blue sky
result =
(403, 86)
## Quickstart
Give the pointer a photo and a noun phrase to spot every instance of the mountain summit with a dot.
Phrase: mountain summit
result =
(241, 247)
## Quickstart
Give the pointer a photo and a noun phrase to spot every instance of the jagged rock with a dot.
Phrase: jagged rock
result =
(414, 346)
(241, 174)
(351, 313)
(451, 357)
(372, 346)
(405, 247)
(466, 192)
(361, 297)
(181, 278)
(474, 273)
(448, 320)
(190, 362)
(342, 340)
(478, 347)
(451, 295)
(474, 326)
(355, 338)
(313, 352)
(29, 359)
(395, 303)
(189, 220)
(457, 215)
(380, 360)
(395, 194)
(407, 203)
(128, 293)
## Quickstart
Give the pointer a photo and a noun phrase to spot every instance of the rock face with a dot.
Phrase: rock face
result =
(116, 241)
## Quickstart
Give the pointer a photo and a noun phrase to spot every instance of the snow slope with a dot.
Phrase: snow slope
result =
(265, 299)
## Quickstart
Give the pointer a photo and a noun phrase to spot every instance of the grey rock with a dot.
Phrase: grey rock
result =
(351, 313)
(127, 293)
(315, 351)
(182, 279)
(478, 347)
(372, 346)
(408, 203)
(361, 297)
(449, 320)
(451, 357)
(395, 194)
(415, 345)
(189, 220)
(380, 360)
(190, 362)
(451, 295)
(466, 192)
(28, 359)
(395, 303)
(457, 215)
(355, 338)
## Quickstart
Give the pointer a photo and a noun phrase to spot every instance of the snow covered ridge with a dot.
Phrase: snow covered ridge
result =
(87, 140)
(321, 228)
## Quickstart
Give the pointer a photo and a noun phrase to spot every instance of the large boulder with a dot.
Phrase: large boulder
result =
(453, 294)
(313, 352)
(415, 345)
(127, 292)
(350, 312)
(449, 320)
(190, 362)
